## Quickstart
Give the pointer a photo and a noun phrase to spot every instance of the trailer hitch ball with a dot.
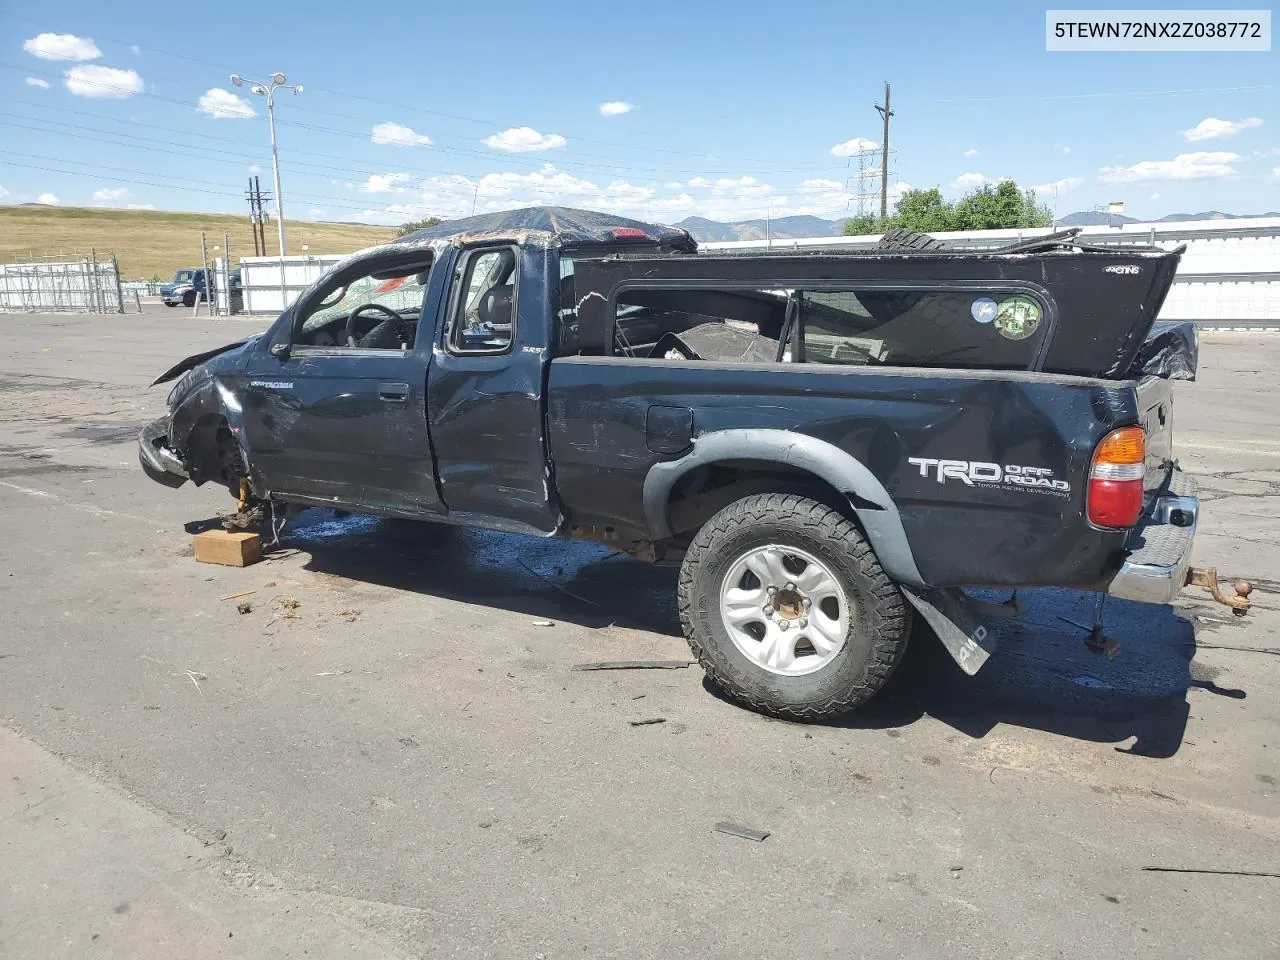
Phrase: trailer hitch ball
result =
(1239, 604)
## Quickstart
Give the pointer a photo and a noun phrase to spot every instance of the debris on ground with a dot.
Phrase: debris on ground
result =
(245, 607)
(649, 721)
(237, 596)
(738, 830)
(333, 673)
(289, 608)
(351, 616)
(544, 623)
(633, 665)
(1228, 873)
(195, 678)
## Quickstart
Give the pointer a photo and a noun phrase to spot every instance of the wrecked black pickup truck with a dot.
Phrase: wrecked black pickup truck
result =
(827, 442)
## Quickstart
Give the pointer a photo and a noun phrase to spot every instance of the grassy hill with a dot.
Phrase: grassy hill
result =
(156, 243)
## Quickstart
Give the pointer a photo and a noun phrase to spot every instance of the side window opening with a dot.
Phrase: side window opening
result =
(701, 324)
(485, 305)
(922, 328)
(379, 310)
(858, 326)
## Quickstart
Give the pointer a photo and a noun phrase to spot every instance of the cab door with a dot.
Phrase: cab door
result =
(486, 388)
(344, 424)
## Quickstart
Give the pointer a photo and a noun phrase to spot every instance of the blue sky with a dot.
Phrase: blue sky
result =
(725, 112)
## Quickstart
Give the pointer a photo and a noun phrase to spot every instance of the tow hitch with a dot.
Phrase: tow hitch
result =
(1239, 604)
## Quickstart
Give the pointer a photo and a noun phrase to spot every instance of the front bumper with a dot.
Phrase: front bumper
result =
(1160, 549)
(159, 462)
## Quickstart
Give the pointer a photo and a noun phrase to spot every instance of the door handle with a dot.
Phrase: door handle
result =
(393, 392)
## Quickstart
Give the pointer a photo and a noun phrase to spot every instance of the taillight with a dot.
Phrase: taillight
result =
(1115, 478)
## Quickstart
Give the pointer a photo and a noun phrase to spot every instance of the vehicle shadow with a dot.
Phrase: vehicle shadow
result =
(570, 581)
(1042, 676)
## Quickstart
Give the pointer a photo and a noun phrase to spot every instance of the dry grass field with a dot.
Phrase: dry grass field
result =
(152, 243)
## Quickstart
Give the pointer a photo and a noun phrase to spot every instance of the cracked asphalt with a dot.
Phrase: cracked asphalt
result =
(388, 754)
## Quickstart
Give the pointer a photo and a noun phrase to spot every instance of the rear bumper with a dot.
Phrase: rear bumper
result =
(1160, 549)
(159, 462)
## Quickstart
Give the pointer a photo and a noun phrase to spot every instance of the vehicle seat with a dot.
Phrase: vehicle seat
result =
(495, 307)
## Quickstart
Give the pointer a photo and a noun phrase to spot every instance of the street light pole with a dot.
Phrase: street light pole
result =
(268, 90)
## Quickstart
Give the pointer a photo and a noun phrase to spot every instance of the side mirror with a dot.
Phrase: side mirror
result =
(280, 351)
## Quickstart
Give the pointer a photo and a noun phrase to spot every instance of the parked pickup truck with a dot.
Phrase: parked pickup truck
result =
(827, 442)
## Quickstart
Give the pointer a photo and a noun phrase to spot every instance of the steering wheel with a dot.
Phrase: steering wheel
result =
(402, 329)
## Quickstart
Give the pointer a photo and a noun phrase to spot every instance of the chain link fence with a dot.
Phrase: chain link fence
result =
(48, 284)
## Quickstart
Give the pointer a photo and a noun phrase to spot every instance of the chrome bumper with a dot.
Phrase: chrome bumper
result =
(1160, 549)
(159, 462)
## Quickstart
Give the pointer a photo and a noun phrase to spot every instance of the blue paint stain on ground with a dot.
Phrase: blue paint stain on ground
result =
(1041, 676)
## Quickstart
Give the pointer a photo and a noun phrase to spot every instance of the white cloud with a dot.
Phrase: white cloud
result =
(967, 181)
(1211, 128)
(109, 194)
(1154, 196)
(851, 147)
(673, 184)
(103, 83)
(140, 206)
(699, 182)
(971, 152)
(614, 108)
(1275, 171)
(61, 46)
(254, 168)
(386, 183)
(135, 49)
(1185, 166)
(1065, 151)
(3, 192)
(315, 213)
(224, 105)
(48, 198)
(398, 135)
(37, 82)
(1058, 186)
(523, 140)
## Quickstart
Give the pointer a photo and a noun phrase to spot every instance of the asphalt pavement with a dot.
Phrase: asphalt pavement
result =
(388, 754)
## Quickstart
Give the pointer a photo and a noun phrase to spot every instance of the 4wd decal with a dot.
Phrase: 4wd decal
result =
(976, 473)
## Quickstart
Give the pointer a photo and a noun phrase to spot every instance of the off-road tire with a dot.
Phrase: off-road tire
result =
(188, 299)
(900, 238)
(879, 625)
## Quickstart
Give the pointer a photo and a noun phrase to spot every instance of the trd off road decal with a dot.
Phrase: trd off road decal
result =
(1009, 476)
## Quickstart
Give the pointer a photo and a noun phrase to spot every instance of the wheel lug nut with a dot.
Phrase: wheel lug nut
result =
(767, 610)
(790, 585)
(804, 621)
(784, 624)
(772, 590)
(807, 603)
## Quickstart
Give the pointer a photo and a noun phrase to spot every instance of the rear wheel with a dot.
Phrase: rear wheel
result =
(188, 299)
(787, 609)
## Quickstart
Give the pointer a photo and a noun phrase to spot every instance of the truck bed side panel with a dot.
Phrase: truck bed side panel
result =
(934, 439)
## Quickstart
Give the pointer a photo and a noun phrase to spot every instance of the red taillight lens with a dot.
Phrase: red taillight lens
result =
(1115, 478)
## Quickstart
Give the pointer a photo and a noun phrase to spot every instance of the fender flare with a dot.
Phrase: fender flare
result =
(212, 396)
(874, 508)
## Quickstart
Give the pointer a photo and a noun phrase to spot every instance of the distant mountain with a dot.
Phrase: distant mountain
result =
(781, 228)
(1093, 218)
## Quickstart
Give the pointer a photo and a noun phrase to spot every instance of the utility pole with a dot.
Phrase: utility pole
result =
(268, 90)
(885, 113)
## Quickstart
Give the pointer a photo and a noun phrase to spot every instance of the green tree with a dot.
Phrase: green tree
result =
(409, 228)
(985, 208)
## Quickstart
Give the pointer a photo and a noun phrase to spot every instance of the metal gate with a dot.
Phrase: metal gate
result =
(89, 285)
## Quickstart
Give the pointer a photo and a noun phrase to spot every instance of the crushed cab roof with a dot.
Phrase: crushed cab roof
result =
(563, 226)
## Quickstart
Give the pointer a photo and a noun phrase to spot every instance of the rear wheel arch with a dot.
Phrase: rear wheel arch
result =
(819, 468)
